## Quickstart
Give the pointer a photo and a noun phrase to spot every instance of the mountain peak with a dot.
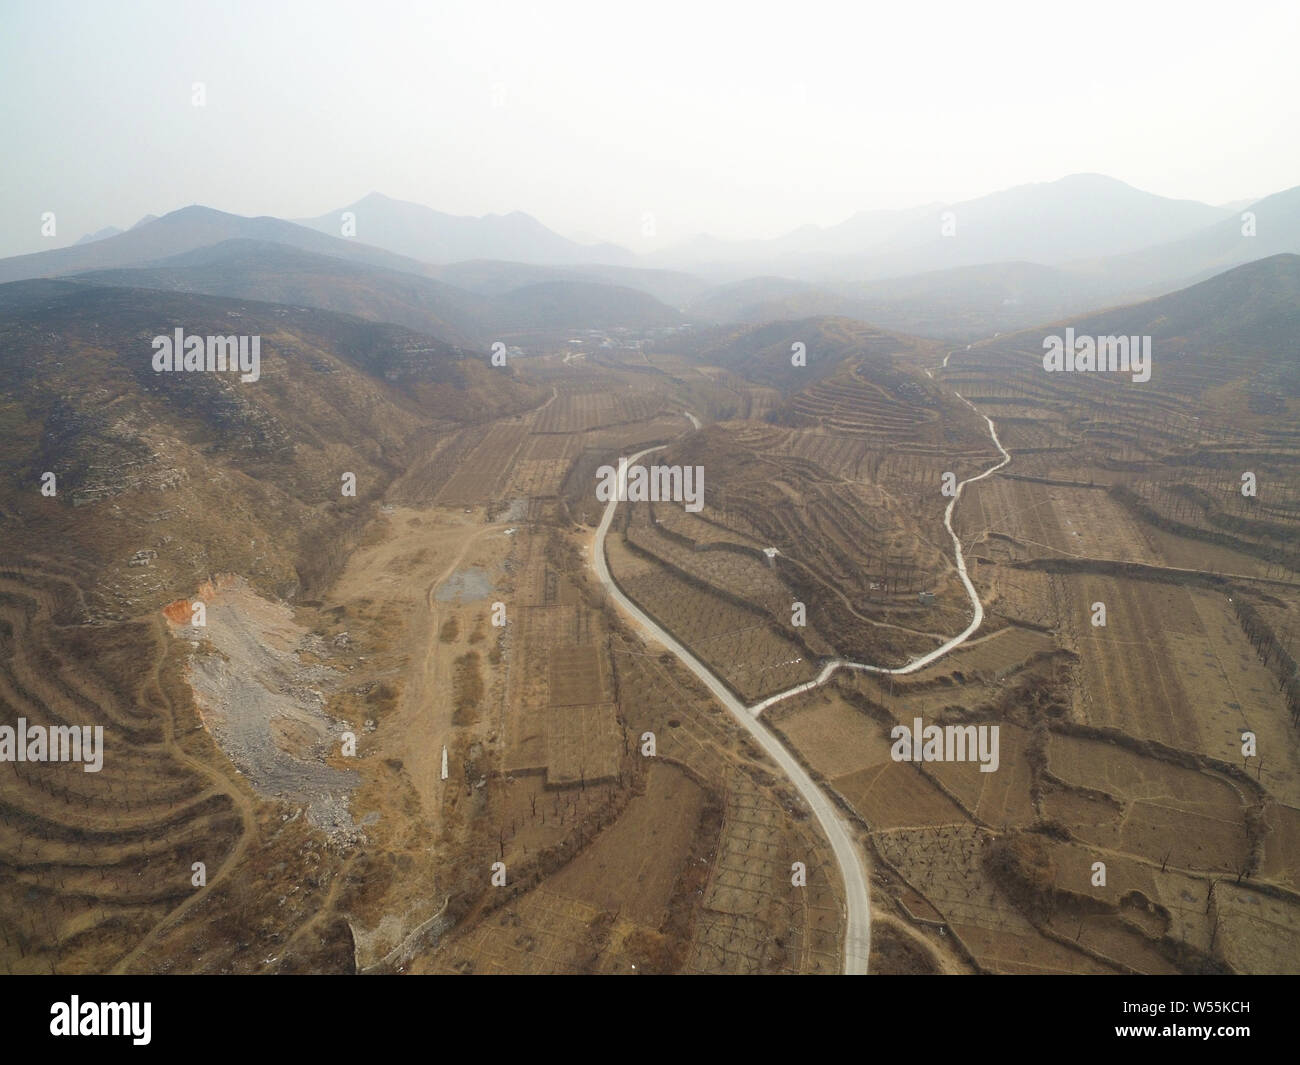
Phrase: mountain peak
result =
(434, 236)
(1090, 177)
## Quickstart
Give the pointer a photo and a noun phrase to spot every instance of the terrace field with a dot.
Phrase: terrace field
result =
(458, 611)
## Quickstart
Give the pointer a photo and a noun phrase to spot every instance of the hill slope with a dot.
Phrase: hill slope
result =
(210, 472)
(1216, 247)
(266, 270)
(1226, 350)
(185, 230)
(281, 273)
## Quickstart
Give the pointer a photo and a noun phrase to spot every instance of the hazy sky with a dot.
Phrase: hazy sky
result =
(739, 120)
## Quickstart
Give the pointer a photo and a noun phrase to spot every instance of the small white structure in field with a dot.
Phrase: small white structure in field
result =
(771, 553)
(444, 762)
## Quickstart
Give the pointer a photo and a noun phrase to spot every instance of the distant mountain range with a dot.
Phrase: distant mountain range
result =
(186, 230)
(1026, 255)
(1078, 217)
(1273, 229)
(963, 303)
(434, 237)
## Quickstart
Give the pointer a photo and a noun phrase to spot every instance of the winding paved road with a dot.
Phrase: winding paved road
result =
(977, 616)
(849, 857)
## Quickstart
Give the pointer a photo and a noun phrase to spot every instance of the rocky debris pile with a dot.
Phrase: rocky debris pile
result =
(263, 700)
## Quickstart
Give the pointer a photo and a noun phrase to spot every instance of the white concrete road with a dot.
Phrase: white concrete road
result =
(977, 608)
(848, 855)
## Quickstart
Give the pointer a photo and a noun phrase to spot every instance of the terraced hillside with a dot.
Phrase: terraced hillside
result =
(835, 503)
(1137, 654)
(1176, 450)
(159, 482)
